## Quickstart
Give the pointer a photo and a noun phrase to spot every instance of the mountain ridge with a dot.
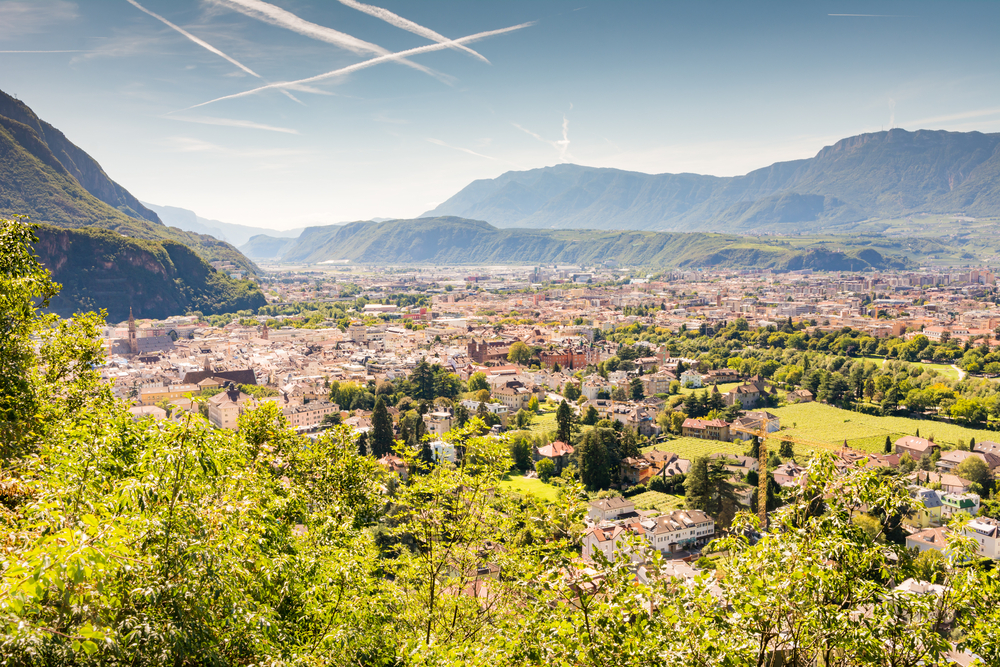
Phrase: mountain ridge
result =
(868, 176)
(103, 256)
(458, 241)
(229, 232)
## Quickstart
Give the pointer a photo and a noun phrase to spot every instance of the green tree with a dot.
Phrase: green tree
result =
(571, 391)
(545, 469)
(786, 450)
(381, 433)
(595, 472)
(422, 379)
(520, 452)
(591, 416)
(636, 392)
(697, 488)
(974, 469)
(477, 381)
(564, 422)
(519, 354)
(533, 404)
(461, 415)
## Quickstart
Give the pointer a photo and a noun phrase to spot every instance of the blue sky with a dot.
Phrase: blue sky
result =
(708, 87)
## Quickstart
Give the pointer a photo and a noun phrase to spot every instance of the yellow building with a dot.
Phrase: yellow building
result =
(153, 395)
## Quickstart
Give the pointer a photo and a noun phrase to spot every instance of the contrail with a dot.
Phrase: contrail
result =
(438, 142)
(230, 122)
(200, 42)
(205, 45)
(406, 24)
(561, 145)
(369, 63)
(277, 16)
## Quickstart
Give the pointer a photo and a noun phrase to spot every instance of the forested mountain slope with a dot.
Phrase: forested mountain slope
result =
(876, 175)
(449, 240)
(113, 252)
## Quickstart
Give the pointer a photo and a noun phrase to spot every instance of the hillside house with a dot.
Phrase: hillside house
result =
(915, 446)
(558, 452)
(706, 429)
(679, 530)
(609, 509)
(691, 379)
(927, 513)
(225, 409)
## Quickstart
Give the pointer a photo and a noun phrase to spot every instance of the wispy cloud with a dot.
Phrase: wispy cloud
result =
(367, 63)
(965, 115)
(406, 24)
(22, 18)
(205, 45)
(53, 51)
(231, 122)
(438, 142)
(200, 42)
(875, 16)
(277, 16)
(192, 145)
(561, 145)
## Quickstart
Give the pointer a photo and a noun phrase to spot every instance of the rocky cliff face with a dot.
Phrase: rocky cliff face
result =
(99, 268)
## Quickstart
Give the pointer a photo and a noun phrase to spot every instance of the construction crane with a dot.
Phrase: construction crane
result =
(762, 435)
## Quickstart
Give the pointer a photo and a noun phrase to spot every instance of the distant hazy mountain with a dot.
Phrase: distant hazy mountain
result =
(449, 240)
(112, 252)
(878, 175)
(190, 221)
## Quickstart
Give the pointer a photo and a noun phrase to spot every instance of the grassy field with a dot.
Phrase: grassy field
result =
(827, 424)
(691, 448)
(944, 369)
(543, 423)
(532, 487)
(723, 388)
(661, 502)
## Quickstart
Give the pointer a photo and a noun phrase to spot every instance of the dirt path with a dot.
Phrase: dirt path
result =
(961, 373)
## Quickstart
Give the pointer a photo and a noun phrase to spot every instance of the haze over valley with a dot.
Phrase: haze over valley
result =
(499, 333)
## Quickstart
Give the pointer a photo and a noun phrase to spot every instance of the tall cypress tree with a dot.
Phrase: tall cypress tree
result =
(698, 493)
(564, 422)
(381, 440)
(594, 469)
(426, 454)
(363, 444)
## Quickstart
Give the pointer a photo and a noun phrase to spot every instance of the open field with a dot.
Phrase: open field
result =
(543, 423)
(691, 448)
(944, 369)
(826, 424)
(655, 500)
(532, 487)
(723, 388)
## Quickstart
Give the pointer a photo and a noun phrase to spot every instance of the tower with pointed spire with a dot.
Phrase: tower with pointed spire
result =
(263, 334)
(133, 339)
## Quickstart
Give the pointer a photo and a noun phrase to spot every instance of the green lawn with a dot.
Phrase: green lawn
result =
(655, 500)
(723, 388)
(543, 423)
(944, 369)
(827, 424)
(532, 487)
(691, 448)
